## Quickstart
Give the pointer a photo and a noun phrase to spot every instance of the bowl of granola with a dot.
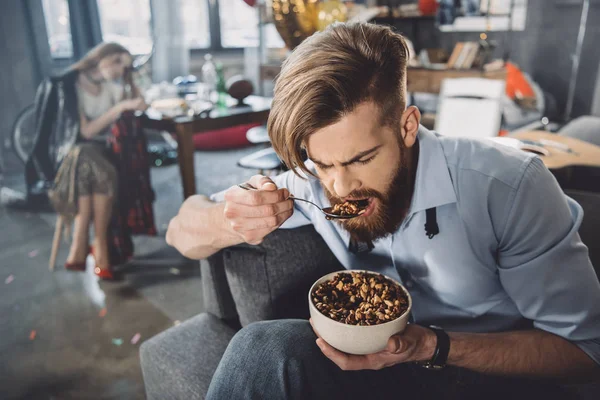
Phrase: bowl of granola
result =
(357, 311)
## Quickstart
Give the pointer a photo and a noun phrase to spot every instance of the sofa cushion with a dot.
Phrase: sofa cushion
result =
(180, 362)
(271, 281)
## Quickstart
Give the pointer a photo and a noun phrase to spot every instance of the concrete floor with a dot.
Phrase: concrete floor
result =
(75, 352)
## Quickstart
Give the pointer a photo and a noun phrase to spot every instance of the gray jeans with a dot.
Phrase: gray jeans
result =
(280, 360)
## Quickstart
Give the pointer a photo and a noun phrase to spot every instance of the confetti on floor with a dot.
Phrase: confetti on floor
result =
(135, 338)
(117, 341)
(102, 313)
(33, 253)
(32, 334)
(9, 279)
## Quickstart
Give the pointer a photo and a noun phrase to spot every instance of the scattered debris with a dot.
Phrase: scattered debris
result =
(102, 312)
(33, 253)
(135, 338)
(9, 279)
(117, 341)
(175, 271)
(32, 334)
(176, 322)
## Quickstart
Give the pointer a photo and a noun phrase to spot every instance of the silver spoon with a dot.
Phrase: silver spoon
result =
(328, 211)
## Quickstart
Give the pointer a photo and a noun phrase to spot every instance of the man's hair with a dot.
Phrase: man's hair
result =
(328, 76)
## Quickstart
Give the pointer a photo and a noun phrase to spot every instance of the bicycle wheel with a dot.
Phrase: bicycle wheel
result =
(23, 133)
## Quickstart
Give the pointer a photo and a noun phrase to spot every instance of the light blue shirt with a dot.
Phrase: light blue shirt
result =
(508, 255)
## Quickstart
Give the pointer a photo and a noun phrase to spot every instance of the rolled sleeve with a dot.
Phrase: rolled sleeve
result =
(543, 265)
(295, 185)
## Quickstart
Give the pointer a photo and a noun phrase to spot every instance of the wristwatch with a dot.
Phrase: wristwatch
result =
(442, 348)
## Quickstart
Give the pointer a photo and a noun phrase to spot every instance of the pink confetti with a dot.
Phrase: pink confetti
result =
(33, 253)
(9, 279)
(135, 338)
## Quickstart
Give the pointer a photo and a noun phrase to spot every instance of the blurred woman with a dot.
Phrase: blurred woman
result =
(86, 184)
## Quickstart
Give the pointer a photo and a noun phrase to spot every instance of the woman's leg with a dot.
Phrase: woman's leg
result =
(79, 246)
(102, 205)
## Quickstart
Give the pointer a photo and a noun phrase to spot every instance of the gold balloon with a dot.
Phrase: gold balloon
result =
(296, 20)
(329, 12)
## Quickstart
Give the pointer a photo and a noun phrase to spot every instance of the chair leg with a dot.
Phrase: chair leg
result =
(55, 242)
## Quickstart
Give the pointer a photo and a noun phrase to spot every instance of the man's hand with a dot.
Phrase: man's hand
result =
(416, 343)
(253, 214)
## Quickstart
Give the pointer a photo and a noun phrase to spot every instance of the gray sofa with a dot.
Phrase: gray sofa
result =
(244, 284)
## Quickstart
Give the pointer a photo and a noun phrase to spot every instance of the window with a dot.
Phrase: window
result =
(194, 14)
(127, 23)
(58, 28)
(477, 18)
(239, 24)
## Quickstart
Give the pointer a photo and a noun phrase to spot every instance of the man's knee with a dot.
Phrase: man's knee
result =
(279, 339)
(266, 360)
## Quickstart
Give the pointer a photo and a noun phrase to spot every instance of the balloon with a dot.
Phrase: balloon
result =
(251, 3)
(329, 12)
(296, 20)
(428, 7)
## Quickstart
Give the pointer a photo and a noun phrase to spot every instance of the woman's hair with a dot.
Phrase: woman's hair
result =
(93, 57)
(328, 76)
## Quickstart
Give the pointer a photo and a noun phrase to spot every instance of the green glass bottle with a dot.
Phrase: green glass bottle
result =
(221, 87)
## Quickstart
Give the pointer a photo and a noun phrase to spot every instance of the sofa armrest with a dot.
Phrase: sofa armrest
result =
(218, 300)
(272, 280)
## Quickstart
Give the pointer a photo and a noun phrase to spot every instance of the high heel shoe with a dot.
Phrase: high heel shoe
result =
(104, 274)
(75, 266)
(78, 266)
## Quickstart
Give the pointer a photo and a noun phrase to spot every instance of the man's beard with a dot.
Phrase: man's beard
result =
(391, 207)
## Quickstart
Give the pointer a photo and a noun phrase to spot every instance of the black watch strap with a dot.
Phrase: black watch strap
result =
(442, 349)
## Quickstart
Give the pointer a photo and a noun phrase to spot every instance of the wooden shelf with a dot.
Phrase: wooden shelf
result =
(422, 80)
(419, 80)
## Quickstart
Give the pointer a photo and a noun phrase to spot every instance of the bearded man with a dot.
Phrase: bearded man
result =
(482, 236)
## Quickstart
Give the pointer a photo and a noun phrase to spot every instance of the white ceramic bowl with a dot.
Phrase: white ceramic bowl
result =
(356, 339)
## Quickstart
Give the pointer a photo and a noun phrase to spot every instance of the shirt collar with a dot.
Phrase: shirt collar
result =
(433, 184)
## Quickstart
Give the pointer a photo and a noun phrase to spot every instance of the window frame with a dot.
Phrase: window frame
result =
(86, 31)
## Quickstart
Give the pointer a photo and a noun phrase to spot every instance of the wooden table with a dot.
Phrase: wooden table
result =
(255, 110)
(574, 163)
(575, 153)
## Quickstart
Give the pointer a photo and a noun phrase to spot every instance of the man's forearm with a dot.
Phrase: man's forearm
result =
(533, 353)
(198, 230)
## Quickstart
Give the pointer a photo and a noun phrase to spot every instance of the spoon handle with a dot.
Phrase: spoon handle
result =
(247, 186)
(291, 196)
